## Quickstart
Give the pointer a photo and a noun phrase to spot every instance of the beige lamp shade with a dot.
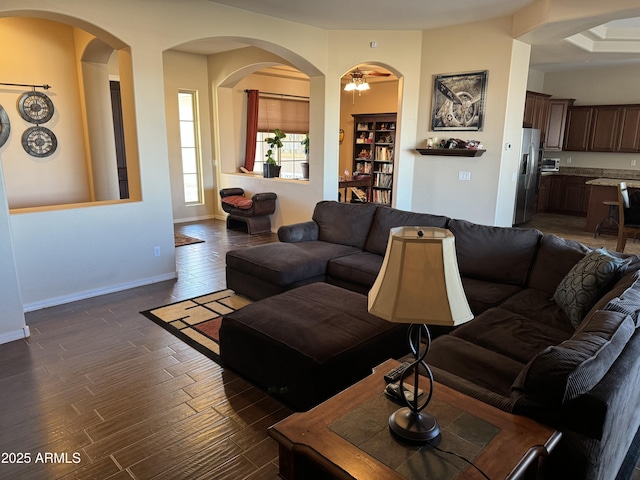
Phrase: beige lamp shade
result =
(419, 281)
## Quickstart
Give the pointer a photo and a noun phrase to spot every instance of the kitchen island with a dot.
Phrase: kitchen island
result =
(604, 189)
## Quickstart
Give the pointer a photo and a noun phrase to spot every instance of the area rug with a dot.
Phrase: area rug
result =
(197, 321)
(181, 239)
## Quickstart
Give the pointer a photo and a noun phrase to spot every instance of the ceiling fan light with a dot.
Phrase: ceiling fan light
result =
(363, 86)
(350, 86)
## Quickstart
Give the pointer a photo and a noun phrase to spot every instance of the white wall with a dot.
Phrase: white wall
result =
(489, 197)
(184, 71)
(12, 324)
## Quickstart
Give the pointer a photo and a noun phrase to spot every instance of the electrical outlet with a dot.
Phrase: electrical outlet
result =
(466, 176)
(568, 159)
(156, 251)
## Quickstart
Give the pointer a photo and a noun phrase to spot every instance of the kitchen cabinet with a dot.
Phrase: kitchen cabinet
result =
(542, 202)
(536, 112)
(565, 194)
(578, 129)
(629, 129)
(556, 123)
(604, 125)
(603, 128)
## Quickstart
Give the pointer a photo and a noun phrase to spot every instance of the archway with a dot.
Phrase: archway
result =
(368, 123)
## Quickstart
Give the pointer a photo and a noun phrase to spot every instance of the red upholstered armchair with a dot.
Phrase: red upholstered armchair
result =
(253, 212)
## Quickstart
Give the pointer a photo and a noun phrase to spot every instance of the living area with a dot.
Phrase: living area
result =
(136, 400)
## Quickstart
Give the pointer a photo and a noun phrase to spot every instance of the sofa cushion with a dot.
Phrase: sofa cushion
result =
(498, 254)
(360, 268)
(510, 334)
(538, 305)
(238, 201)
(586, 282)
(483, 295)
(284, 264)
(344, 223)
(481, 366)
(563, 372)
(555, 257)
(387, 218)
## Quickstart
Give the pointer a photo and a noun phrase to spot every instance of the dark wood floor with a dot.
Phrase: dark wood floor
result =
(98, 391)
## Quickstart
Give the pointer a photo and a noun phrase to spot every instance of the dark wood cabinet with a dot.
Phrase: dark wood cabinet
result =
(566, 194)
(603, 128)
(629, 129)
(373, 152)
(578, 129)
(556, 123)
(542, 202)
(604, 125)
(536, 112)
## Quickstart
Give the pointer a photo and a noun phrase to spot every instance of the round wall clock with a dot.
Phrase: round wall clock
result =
(35, 107)
(5, 126)
(39, 141)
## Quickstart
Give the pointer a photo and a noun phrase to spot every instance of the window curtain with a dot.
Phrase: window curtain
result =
(253, 102)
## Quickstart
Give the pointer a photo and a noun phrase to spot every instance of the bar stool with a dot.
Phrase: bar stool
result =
(611, 217)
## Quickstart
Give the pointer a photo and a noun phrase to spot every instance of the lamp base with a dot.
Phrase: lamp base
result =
(413, 427)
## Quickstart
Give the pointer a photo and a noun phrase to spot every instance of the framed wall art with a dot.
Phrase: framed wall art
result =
(459, 101)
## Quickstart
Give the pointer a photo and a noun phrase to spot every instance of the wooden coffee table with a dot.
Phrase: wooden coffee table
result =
(313, 444)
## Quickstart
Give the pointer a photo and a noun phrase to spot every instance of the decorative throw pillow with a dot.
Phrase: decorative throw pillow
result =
(238, 201)
(585, 283)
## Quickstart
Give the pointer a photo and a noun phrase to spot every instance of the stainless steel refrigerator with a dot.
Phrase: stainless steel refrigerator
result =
(528, 175)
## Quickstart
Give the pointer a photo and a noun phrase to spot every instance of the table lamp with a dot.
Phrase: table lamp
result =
(419, 284)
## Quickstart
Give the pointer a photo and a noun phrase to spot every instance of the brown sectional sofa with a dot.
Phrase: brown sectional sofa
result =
(535, 346)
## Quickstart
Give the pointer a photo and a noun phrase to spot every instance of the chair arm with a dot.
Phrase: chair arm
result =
(299, 232)
(229, 192)
(264, 203)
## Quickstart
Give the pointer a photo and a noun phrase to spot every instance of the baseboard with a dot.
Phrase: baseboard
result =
(16, 335)
(52, 302)
(193, 219)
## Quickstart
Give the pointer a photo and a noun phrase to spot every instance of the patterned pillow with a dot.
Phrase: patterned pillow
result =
(585, 283)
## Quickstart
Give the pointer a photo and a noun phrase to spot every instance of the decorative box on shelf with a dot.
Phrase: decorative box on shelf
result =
(452, 152)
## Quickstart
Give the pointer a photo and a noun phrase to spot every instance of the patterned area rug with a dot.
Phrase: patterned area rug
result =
(197, 321)
(181, 239)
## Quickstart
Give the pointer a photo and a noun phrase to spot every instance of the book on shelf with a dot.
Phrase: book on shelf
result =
(383, 180)
(384, 153)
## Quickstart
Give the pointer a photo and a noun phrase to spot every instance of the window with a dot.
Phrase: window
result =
(292, 154)
(190, 143)
(291, 115)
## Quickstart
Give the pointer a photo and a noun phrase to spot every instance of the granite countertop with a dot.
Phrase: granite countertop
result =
(600, 173)
(613, 182)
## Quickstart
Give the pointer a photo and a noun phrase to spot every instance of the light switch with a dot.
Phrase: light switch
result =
(466, 176)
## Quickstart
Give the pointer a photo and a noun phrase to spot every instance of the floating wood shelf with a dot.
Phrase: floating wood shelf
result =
(451, 152)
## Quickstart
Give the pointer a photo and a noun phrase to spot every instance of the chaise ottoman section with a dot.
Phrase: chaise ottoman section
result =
(307, 344)
(259, 272)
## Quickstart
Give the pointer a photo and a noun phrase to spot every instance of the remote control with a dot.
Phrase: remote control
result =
(395, 374)
(394, 393)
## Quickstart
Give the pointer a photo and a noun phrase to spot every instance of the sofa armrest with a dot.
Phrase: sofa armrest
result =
(299, 232)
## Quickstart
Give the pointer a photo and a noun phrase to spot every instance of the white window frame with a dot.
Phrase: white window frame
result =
(292, 154)
(191, 144)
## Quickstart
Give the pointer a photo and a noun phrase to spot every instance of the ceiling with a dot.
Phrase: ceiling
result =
(572, 45)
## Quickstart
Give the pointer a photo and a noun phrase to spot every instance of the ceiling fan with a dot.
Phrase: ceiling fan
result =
(358, 81)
